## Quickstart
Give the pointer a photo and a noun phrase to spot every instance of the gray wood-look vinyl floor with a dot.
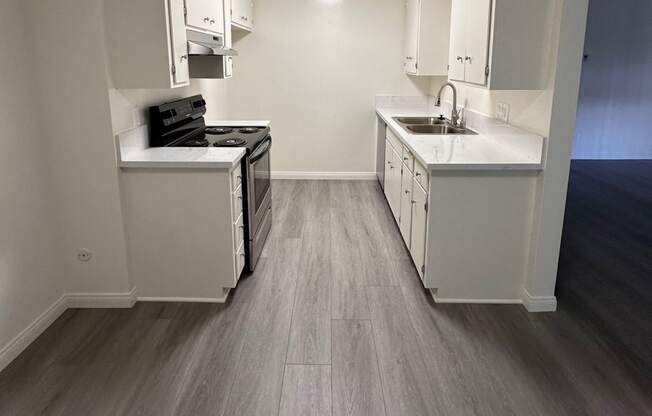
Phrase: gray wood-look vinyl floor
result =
(335, 322)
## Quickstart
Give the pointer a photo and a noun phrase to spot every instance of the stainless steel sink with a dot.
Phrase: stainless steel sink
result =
(430, 125)
(437, 129)
(421, 120)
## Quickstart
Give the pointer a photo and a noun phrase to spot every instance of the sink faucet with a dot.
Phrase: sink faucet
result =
(455, 115)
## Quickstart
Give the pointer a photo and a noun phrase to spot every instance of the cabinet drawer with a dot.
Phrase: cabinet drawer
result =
(238, 231)
(236, 177)
(236, 203)
(239, 261)
(408, 159)
(420, 174)
(394, 141)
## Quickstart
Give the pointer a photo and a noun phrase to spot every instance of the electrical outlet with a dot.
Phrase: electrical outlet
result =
(84, 255)
(502, 112)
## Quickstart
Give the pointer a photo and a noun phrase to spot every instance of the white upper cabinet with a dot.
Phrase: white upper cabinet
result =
(242, 14)
(427, 34)
(499, 44)
(205, 15)
(469, 52)
(477, 40)
(146, 43)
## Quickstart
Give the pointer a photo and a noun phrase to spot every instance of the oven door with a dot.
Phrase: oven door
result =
(259, 185)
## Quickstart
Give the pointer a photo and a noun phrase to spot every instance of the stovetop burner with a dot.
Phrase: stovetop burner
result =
(249, 130)
(218, 130)
(233, 142)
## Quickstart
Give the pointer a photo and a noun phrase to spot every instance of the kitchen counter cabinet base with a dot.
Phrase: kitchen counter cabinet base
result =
(181, 233)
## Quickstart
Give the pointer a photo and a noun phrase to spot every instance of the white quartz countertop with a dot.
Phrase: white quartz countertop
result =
(497, 146)
(134, 152)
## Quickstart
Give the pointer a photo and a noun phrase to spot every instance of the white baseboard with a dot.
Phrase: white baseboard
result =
(21, 341)
(476, 301)
(342, 176)
(101, 300)
(67, 301)
(539, 303)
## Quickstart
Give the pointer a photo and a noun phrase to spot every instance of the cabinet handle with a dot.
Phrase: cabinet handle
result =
(207, 19)
(183, 57)
(212, 21)
(406, 158)
(459, 58)
(409, 58)
(407, 192)
(468, 58)
(417, 174)
(413, 202)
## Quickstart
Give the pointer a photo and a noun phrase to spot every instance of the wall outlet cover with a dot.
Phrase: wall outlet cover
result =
(502, 112)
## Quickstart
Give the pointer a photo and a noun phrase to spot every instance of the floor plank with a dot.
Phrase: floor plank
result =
(306, 390)
(357, 390)
(406, 386)
(310, 335)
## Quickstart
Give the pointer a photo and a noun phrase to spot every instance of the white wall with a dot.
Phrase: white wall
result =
(616, 93)
(30, 271)
(314, 68)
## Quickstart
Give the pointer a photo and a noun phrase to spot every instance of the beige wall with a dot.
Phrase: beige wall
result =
(30, 272)
(314, 68)
(71, 80)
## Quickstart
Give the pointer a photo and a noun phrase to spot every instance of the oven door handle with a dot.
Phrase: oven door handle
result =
(260, 151)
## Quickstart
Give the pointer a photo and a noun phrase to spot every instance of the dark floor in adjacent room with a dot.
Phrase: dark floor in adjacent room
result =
(335, 321)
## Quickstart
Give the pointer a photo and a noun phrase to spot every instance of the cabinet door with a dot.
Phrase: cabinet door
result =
(406, 206)
(393, 181)
(411, 46)
(419, 227)
(242, 13)
(205, 14)
(458, 40)
(178, 44)
(389, 173)
(478, 21)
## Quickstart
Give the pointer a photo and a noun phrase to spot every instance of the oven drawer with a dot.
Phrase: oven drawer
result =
(236, 203)
(238, 232)
(236, 177)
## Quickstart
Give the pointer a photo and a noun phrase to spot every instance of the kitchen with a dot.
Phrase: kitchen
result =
(292, 207)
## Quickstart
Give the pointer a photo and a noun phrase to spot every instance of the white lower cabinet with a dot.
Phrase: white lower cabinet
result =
(186, 232)
(404, 180)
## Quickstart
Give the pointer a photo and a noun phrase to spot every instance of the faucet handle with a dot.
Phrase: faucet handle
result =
(460, 119)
